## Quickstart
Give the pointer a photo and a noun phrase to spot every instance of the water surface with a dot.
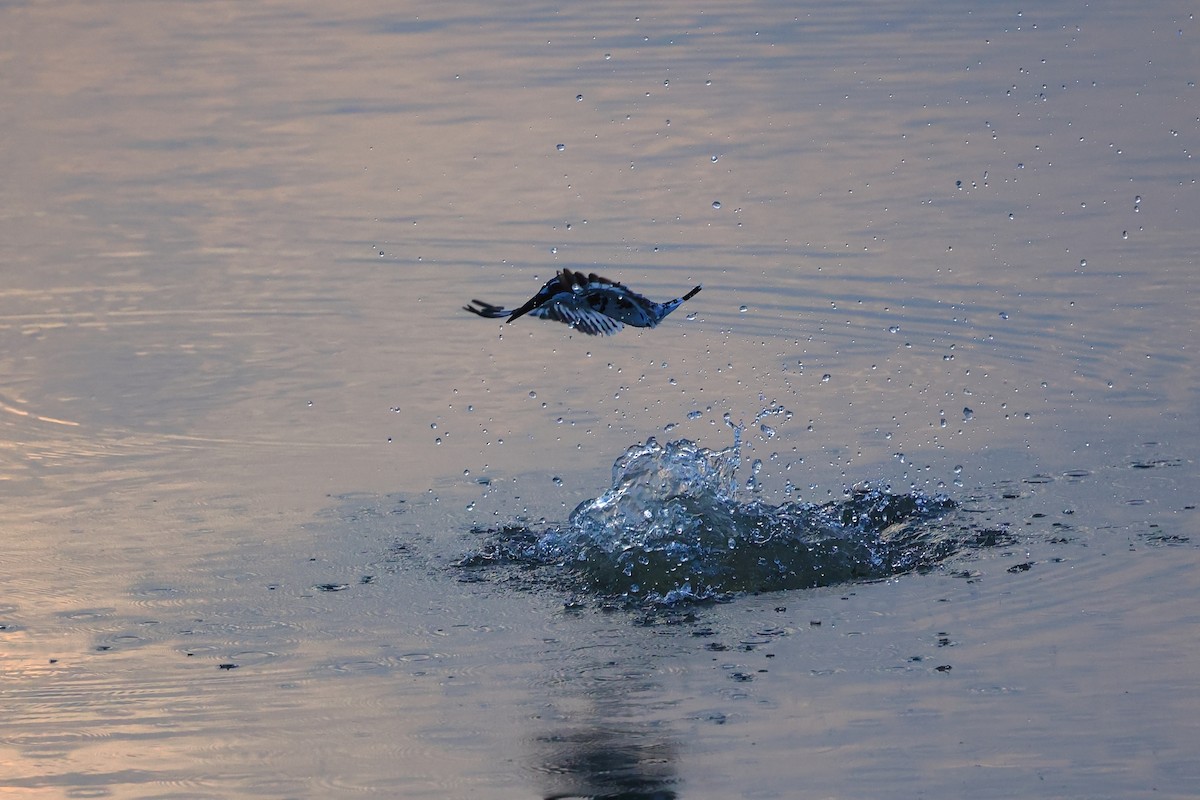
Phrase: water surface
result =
(248, 437)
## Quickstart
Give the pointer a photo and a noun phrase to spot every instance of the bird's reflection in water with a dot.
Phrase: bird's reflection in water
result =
(613, 762)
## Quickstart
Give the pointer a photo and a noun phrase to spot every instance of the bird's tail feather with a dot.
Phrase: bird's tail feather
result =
(486, 310)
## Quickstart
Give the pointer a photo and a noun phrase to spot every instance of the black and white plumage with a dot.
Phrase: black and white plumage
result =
(588, 303)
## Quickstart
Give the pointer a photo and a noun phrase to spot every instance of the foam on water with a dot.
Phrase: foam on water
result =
(671, 529)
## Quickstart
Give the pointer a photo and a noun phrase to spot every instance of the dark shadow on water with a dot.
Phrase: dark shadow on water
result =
(606, 761)
(599, 735)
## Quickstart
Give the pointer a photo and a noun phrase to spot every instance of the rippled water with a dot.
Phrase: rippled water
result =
(281, 520)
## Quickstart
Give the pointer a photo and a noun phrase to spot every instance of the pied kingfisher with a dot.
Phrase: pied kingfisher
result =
(588, 303)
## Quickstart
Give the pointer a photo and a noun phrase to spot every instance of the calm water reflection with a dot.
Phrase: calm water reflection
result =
(245, 429)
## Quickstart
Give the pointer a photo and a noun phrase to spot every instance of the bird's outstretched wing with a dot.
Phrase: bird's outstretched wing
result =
(581, 318)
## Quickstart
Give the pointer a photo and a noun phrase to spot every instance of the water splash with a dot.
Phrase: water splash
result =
(671, 529)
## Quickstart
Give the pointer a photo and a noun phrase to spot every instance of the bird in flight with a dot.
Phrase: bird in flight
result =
(588, 303)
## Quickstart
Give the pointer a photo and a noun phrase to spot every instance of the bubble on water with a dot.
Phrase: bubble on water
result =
(968, 413)
(532, 394)
(743, 309)
(557, 481)
(826, 378)
(578, 98)
(714, 159)
(560, 147)
(1082, 262)
(716, 204)
(1003, 315)
(695, 414)
(767, 431)
(893, 329)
